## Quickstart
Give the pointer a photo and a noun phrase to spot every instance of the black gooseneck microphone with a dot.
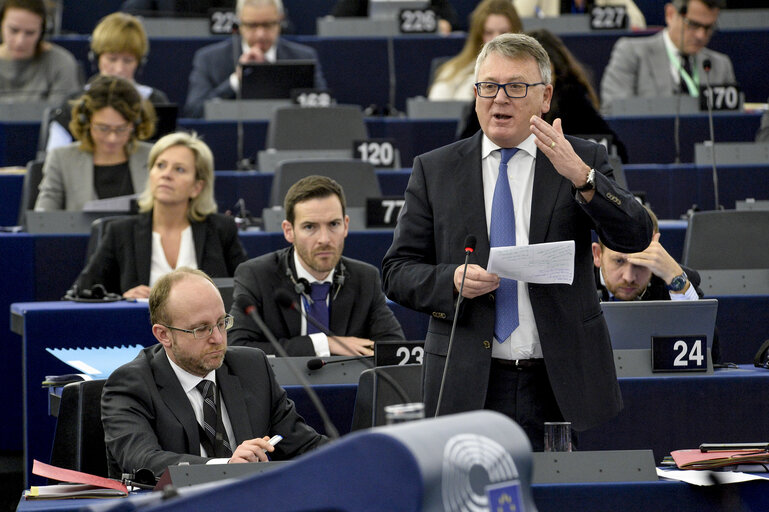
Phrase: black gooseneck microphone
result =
(250, 310)
(318, 363)
(677, 120)
(243, 164)
(470, 242)
(706, 65)
(285, 300)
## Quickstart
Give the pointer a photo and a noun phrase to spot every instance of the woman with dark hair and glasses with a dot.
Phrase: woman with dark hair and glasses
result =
(110, 120)
(177, 225)
(32, 69)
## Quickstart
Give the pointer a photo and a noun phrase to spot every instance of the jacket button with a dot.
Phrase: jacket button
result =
(492, 297)
(486, 344)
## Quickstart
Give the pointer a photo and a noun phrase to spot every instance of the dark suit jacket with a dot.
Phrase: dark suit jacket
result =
(123, 258)
(212, 66)
(444, 204)
(149, 422)
(359, 309)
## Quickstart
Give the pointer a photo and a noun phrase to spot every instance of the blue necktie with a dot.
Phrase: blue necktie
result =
(502, 234)
(319, 308)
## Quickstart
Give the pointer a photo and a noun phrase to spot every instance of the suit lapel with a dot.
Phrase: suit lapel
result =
(659, 66)
(543, 197)
(143, 246)
(232, 394)
(199, 239)
(175, 399)
(469, 178)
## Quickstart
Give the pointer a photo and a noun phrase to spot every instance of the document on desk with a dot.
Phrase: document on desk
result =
(548, 263)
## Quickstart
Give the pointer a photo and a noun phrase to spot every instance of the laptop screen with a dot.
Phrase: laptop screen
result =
(633, 323)
(276, 80)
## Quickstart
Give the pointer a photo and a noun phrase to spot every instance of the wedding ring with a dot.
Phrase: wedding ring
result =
(552, 145)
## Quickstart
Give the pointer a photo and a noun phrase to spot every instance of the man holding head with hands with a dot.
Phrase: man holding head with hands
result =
(192, 399)
(216, 69)
(535, 352)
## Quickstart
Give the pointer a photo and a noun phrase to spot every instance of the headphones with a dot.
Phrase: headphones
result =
(302, 285)
(93, 58)
(97, 293)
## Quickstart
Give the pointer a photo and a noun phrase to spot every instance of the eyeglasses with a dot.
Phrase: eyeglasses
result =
(105, 129)
(266, 25)
(696, 25)
(512, 89)
(205, 331)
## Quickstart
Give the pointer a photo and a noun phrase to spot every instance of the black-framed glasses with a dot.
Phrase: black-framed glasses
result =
(264, 25)
(512, 89)
(205, 331)
(696, 25)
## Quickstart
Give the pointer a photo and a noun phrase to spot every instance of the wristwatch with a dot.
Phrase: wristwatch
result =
(590, 183)
(678, 283)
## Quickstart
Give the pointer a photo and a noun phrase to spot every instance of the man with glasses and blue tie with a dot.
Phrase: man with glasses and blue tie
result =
(535, 352)
(192, 399)
(671, 61)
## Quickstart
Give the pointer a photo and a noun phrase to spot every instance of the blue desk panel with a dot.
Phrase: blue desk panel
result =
(588, 497)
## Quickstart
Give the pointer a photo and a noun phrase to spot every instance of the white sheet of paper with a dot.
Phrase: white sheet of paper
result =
(705, 477)
(549, 263)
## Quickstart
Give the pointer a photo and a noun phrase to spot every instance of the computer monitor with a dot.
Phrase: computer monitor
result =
(166, 123)
(633, 323)
(276, 80)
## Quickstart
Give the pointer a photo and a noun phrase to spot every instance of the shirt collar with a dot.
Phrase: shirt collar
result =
(188, 380)
(528, 145)
(671, 48)
(302, 273)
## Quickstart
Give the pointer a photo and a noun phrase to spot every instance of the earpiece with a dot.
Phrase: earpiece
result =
(82, 116)
(302, 285)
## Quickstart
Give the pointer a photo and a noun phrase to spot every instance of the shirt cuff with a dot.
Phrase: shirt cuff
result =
(689, 294)
(234, 82)
(320, 344)
(220, 460)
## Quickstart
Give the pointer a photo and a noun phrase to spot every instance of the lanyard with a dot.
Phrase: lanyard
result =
(692, 81)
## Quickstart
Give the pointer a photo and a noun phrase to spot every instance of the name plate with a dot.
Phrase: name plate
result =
(722, 97)
(312, 97)
(378, 152)
(417, 21)
(390, 353)
(679, 353)
(608, 17)
(382, 212)
(222, 21)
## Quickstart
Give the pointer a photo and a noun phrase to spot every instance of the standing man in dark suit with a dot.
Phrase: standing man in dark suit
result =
(216, 69)
(154, 410)
(670, 61)
(345, 293)
(547, 355)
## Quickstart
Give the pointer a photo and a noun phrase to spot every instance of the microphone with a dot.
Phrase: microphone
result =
(470, 242)
(243, 164)
(285, 300)
(318, 363)
(706, 65)
(243, 304)
(677, 120)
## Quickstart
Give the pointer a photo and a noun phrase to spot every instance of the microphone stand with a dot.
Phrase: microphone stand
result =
(706, 64)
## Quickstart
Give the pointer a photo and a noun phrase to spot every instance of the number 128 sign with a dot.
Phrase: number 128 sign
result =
(679, 354)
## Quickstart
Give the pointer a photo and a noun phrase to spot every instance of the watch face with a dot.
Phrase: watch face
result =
(678, 283)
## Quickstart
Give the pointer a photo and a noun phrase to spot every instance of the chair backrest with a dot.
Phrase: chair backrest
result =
(29, 188)
(727, 239)
(335, 127)
(79, 440)
(357, 178)
(98, 229)
(375, 392)
(45, 126)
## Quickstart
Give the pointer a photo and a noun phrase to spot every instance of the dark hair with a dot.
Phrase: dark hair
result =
(710, 4)
(33, 6)
(566, 67)
(120, 94)
(311, 187)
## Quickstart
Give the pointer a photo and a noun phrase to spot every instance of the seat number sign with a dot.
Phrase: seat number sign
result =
(679, 354)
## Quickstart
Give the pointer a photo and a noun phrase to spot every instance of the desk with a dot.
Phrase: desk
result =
(587, 497)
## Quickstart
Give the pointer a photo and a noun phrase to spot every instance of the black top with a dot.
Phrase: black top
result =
(112, 180)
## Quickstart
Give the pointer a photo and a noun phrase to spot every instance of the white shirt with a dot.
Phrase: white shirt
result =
(319, 340)
(159, 265)
(523, 343)
(189, 383)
